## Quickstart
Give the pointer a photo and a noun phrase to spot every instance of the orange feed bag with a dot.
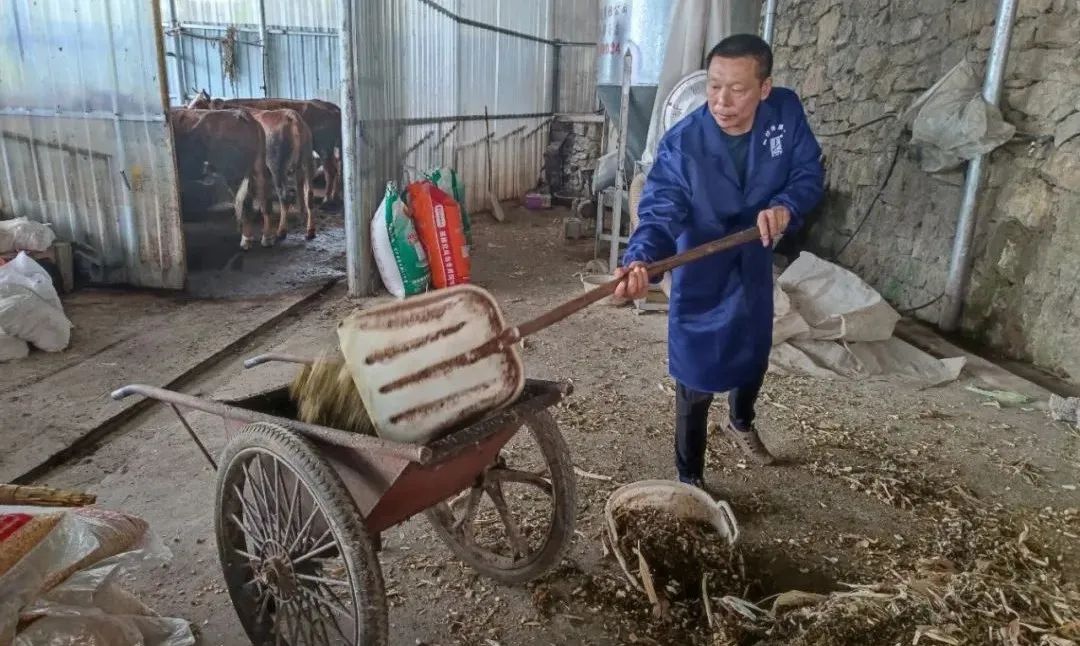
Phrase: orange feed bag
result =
(438, 222)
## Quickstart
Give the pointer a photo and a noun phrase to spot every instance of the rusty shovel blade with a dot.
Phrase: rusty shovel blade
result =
(436, 361)
(410, 361)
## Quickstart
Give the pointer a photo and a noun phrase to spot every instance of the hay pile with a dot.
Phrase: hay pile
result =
(325, 394)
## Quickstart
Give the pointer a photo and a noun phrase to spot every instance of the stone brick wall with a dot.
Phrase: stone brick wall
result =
(571, 154)
(855, 60)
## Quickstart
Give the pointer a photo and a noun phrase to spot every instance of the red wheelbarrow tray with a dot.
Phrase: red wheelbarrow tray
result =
(389, 481)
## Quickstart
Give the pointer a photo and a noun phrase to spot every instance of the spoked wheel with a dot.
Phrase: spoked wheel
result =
(298, 561)
(516, 521)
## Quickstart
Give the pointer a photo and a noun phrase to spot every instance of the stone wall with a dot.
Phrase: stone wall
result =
(571, 155)
(855, 60)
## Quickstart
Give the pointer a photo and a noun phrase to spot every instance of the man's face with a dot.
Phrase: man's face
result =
(734, 92)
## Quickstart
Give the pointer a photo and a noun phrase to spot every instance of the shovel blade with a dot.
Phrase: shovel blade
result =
(496, 207)
(406, 360)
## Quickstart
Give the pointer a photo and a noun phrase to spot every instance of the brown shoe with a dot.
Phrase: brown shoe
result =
(749, 443)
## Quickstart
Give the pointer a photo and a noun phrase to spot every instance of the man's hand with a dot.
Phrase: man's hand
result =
(636, 283)
(772, 222)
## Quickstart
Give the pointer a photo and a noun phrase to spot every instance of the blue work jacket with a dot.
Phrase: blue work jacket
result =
(721, 307)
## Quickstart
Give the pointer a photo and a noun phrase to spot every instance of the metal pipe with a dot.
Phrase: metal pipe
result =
(960, 262)
(555, 80)
(357, 240)
(194, 436)
(461, 118)
(178, 53)
(95, 115)
(769, 26)
(264, 43)
(620, 169)
(269, 357)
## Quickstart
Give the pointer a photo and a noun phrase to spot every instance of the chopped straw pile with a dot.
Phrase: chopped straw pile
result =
(981, 578)
(1002, 593)
(325, 394)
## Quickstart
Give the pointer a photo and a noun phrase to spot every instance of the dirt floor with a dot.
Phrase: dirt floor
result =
(217, 268)
(873, 476)
(123, 336)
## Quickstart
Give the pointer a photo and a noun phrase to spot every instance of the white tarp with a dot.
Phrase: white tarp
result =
(828, 323)
(835, 303)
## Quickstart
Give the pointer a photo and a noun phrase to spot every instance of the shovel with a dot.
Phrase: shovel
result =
(442, 359)
(496, 206)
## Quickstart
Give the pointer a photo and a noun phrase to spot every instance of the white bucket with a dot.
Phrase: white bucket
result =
(592, 281)
(677, 498)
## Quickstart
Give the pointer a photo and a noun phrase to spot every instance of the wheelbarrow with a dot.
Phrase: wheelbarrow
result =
(300, 508)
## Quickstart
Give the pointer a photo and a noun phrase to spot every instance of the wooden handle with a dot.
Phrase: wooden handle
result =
(43, 496)
(512, 335)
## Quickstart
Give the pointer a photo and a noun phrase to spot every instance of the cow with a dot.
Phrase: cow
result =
(288, 158)
(230, 143)
(322, 117)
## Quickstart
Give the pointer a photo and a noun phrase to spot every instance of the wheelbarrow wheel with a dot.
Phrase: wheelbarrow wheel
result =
(515, 545)
(298, 561)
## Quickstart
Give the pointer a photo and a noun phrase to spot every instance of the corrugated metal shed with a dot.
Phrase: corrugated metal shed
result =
(577, 22)
(86, 146)
(83, 139)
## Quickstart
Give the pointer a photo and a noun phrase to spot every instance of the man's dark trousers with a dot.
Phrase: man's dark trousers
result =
(692, 419)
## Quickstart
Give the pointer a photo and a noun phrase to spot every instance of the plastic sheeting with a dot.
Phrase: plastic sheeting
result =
(696, 26)
(952, 123)
(87, 606)
(30, 310)
(23, 234)
(828, 323)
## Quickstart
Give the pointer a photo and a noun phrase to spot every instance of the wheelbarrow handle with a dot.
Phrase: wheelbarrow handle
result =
(274, 356)
(512, 335)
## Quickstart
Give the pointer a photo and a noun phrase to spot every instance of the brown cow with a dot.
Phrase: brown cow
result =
(288, 158)
(322, 117)
(232, 143)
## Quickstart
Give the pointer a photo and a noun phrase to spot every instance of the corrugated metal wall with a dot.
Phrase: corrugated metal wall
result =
(451, 72)
(577, 22)
(83, 139)
(311, 14)
(220, 51)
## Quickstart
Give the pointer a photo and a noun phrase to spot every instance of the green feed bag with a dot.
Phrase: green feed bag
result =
(399, 255)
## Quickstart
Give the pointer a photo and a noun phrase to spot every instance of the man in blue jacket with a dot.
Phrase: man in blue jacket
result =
(746, 157)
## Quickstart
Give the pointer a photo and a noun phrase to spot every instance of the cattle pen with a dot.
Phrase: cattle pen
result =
(87, 144)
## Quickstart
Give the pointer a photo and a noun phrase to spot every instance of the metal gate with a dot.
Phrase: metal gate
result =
(84, 144)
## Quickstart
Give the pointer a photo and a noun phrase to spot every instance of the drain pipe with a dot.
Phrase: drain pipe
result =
(960, 263)
(769, 26)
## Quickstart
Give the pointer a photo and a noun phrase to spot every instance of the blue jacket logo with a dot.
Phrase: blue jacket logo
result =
(774, 139)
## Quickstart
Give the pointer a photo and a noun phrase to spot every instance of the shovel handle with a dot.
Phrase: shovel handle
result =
(655, 269)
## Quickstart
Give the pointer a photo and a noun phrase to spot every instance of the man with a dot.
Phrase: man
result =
(746, 157)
